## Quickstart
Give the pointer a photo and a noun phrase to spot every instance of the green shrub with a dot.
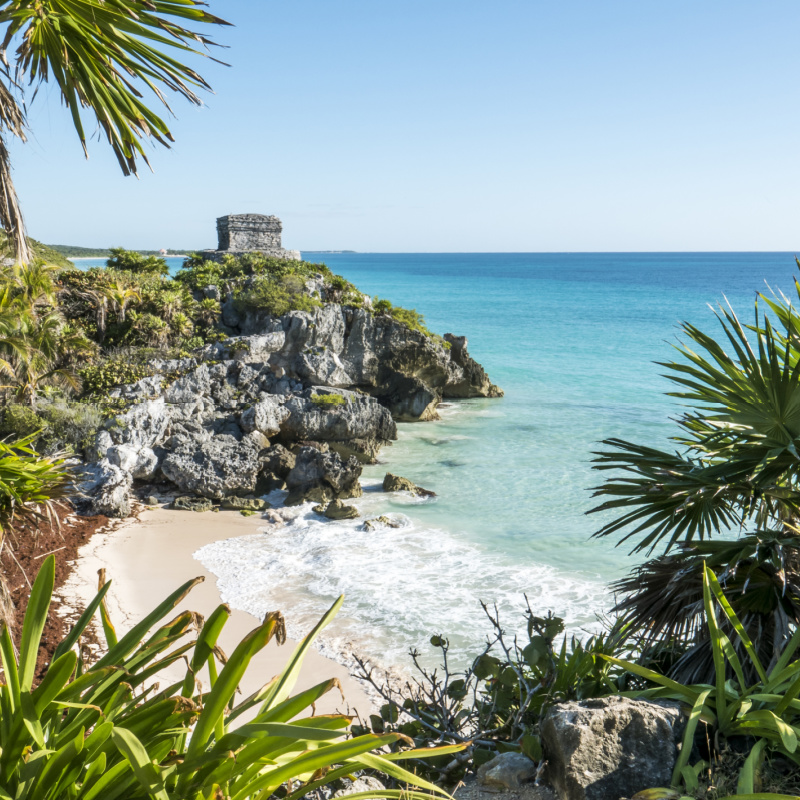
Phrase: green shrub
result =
(496, 704)
(104, 731)
(131, 261)
(407, 316)
(29, 487)
(328, 400)
(763, 714)
(277, 296)
(69, 426)
(20, 421)
(99, 378)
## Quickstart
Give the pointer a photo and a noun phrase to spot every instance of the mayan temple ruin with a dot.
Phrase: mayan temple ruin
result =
(238, 234)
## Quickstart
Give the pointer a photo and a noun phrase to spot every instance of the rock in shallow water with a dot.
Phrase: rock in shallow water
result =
(336, 509)
(381, 522)
(395, 483)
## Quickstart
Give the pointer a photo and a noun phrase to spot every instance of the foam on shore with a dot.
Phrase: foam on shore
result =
(402, 584)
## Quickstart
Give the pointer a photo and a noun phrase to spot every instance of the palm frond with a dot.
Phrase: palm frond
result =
(103, 54)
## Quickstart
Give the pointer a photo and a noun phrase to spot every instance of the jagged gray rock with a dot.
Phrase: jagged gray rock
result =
(322, 477)
(345, 347)
(106, 487)
(234, 503)
(396, 483)
(364, 783)
(380, 522)
(610, 747)
(266, 416)
(359, 426)
(215, 467)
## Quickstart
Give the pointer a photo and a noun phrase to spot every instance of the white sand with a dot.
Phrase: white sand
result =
(148, 558)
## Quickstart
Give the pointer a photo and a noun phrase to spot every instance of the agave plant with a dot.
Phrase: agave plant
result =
(764, 711)
(108, 730)
(737, 472)
(30, 485)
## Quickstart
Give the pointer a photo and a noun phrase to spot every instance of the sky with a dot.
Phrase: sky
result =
(458, 126)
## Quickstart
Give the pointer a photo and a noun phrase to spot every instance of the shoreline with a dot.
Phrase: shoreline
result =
(149, 556)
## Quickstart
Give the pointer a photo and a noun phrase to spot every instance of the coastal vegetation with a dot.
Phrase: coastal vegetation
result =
(710, 618)
(76, 251)
(123, 727)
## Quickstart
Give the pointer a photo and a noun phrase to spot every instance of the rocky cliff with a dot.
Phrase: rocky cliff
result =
(298, 401)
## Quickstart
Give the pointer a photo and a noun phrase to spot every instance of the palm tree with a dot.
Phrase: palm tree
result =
(120, 297)
(730, 494)
(47, 354)
(102, 54)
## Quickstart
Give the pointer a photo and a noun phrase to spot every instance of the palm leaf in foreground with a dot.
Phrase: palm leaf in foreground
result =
(740, 440)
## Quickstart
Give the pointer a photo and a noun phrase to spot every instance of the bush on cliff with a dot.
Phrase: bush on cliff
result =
(106, 730)
(407, 316)
(131, 261)
(277, 295)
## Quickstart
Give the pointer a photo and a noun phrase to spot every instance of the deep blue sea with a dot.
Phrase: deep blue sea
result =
(571, 338)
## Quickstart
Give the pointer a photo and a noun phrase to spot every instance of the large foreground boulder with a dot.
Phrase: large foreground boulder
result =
(216, 467)
(610, 747)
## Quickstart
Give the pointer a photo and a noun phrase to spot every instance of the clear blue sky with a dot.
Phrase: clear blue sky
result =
(458, 125)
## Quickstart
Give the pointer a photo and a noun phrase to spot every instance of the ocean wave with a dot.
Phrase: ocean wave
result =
(401, 584)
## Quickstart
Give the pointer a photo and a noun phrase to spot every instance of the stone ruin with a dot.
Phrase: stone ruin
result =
(238, 234)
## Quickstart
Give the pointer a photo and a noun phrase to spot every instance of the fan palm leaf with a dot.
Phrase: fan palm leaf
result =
(740, 441)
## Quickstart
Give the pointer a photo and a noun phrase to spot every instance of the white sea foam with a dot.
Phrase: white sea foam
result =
(401, 584)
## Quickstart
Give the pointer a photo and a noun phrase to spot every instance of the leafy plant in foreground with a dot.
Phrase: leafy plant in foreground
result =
(496, 703)
(29, 484)
(737, 471)
(764, 712)
(108, 730)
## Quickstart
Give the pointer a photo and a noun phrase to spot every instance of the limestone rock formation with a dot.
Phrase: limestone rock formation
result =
(215, 467)
(610, 747)
(190, 503)
(345, 347)
(336, 509)
(106, 487)
(234, 503)
(380, 522)
(322, 477)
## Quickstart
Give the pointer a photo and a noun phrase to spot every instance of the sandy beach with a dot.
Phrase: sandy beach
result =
(149, 557)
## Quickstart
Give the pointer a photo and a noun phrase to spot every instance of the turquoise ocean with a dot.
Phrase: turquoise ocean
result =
(571, 338)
